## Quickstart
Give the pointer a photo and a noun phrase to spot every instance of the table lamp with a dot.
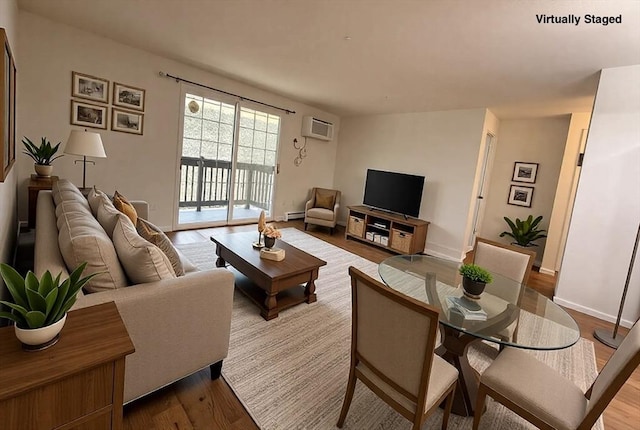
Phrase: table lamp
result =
(87, 144)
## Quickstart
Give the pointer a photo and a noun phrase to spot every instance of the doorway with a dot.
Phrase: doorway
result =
(478, 211)
(227, 156)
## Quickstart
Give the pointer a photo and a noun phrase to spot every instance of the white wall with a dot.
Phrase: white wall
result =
(8, 196)
(141, 167)
(537, 140)
(565, 194)
(442, 146)
(607, 205)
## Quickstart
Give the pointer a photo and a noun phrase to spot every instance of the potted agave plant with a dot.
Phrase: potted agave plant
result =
(42, 155)
(474, 280)
(39, 306)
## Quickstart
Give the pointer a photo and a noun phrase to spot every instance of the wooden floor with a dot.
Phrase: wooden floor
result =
(197, 402)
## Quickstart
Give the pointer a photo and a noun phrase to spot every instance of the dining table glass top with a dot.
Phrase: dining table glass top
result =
(508, 312)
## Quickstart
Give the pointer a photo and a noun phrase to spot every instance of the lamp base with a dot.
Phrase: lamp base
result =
(607, 338)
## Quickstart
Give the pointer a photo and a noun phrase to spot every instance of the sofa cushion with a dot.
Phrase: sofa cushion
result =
(123, 205)
(64, 190)
(320, 213)
(157, 237)
(142, 261)
(82, 239)
(324, 199)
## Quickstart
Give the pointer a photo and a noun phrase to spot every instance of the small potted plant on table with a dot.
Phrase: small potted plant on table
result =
(270, 235)
(39, 306)
(42, 155)
(474, 280)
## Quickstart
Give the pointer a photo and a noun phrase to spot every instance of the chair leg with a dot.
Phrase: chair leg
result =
(482, 397)
(305, 226)
(348, 396)
(447, 407)
(216, 370)
(331, 231)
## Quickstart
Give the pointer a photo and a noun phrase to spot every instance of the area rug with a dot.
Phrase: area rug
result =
(291, 372)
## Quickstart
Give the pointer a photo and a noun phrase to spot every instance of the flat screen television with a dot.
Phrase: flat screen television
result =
(394, 192)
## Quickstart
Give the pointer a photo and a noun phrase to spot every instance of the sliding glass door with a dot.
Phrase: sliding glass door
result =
(227, 161)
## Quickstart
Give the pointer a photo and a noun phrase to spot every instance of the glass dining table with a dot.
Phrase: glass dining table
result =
(508, 313)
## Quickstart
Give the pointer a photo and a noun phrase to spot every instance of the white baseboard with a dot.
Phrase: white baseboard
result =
(546, 271)
(592, 312)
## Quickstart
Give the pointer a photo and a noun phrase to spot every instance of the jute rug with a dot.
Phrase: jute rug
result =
(291, 372)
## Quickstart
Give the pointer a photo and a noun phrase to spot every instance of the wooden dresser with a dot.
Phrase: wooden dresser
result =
(76, 384)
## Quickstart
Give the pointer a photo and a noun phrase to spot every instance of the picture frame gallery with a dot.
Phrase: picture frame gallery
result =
(525, 172)
(520, 195)
(89, 87)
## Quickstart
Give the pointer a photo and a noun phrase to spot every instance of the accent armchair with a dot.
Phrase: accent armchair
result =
(322, 208)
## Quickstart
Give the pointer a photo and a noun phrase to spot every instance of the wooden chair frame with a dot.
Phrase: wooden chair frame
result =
(420, 414)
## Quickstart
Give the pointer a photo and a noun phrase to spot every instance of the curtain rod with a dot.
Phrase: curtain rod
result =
(179, 79)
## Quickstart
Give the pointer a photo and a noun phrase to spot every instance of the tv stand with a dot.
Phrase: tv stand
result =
(393, 232)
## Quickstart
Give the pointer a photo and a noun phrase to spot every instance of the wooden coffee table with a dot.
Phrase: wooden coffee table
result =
(272, 285)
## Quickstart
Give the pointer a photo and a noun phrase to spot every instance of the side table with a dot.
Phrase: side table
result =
(37, 183)
(78, 383)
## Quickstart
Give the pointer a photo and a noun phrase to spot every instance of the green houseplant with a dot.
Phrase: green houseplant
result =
(42, 155)
(474, 279)
(524, 232)
(39, 306)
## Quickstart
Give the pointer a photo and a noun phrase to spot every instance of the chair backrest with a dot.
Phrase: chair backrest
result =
(507, 260)
(613, 375)
(335, 194)
(393, 335)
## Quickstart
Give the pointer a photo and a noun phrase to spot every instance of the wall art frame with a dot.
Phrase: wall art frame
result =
(89, 115)
(127, 121)
(7, 108)
(520, 195)
(89, 87)
(128, 97)
(525, 172)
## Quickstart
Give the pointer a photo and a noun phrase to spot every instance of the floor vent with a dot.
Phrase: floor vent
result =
(288, 216)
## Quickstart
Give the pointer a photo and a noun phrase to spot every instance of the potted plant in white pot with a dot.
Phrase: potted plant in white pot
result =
(474, 279)
(524, 232)
(39, 306)
(42, 155)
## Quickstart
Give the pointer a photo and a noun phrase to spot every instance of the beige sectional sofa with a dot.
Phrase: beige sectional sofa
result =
(178, 324)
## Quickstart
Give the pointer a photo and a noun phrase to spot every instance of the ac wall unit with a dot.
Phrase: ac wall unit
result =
(316, 128)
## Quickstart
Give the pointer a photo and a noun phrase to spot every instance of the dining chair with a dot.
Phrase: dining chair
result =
(542, 396)
(392, 352)
(511, 262)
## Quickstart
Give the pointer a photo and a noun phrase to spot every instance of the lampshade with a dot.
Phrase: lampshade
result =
(86, 143)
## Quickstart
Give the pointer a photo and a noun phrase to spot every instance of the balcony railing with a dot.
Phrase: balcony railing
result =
(205, 183)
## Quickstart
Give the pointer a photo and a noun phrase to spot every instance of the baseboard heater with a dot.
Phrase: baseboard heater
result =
(288, 216)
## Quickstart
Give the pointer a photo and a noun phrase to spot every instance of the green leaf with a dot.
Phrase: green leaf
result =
(35, 319)
(20, 309)
(15, 284)
(36, 301)
(62, 297)
(46, 284)
(67, 305)
(51, 300)
(13, 317)
(31, 282)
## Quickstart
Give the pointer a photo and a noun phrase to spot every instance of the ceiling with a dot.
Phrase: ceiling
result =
(355, 57)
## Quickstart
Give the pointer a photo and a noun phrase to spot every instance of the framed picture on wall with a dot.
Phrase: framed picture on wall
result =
(520, 196)
(127, 122)
(128, 97)
(525, 172)
(89, 87)
(88, 115)
(7, 108)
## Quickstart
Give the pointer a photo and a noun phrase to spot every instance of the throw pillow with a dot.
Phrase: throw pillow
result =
(107, 214)
(142, 261)
(324, 200)
(94, 197)
(157, 237)
(123, 205)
